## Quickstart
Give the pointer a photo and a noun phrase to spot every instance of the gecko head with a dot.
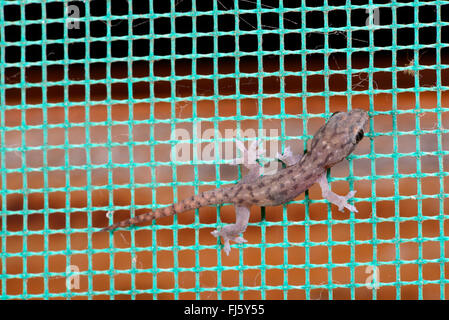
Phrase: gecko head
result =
(338, 137)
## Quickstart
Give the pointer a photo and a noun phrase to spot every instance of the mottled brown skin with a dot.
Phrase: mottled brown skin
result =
(331, 144)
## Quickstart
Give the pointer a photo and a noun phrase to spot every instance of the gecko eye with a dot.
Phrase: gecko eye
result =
(359, 136)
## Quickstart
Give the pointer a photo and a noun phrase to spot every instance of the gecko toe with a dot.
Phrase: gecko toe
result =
(227, 247)
(239, 240)
(350, 194)
(287, 154)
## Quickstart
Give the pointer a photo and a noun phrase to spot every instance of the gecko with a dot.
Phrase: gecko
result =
(332, 143)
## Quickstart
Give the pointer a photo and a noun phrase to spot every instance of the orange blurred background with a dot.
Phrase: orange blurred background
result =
(110, 182)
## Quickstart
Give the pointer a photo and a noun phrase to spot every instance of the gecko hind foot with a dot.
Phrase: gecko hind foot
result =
(232, 232)
(226, 239)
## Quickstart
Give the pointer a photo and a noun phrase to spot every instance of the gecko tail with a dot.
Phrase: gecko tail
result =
(125, 223)
(145, 217)
(212, 197)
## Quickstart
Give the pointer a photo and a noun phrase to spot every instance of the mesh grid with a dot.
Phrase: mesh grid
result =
(91, 93)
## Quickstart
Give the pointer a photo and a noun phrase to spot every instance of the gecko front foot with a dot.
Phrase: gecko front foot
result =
(288, 158)
(340, 201)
